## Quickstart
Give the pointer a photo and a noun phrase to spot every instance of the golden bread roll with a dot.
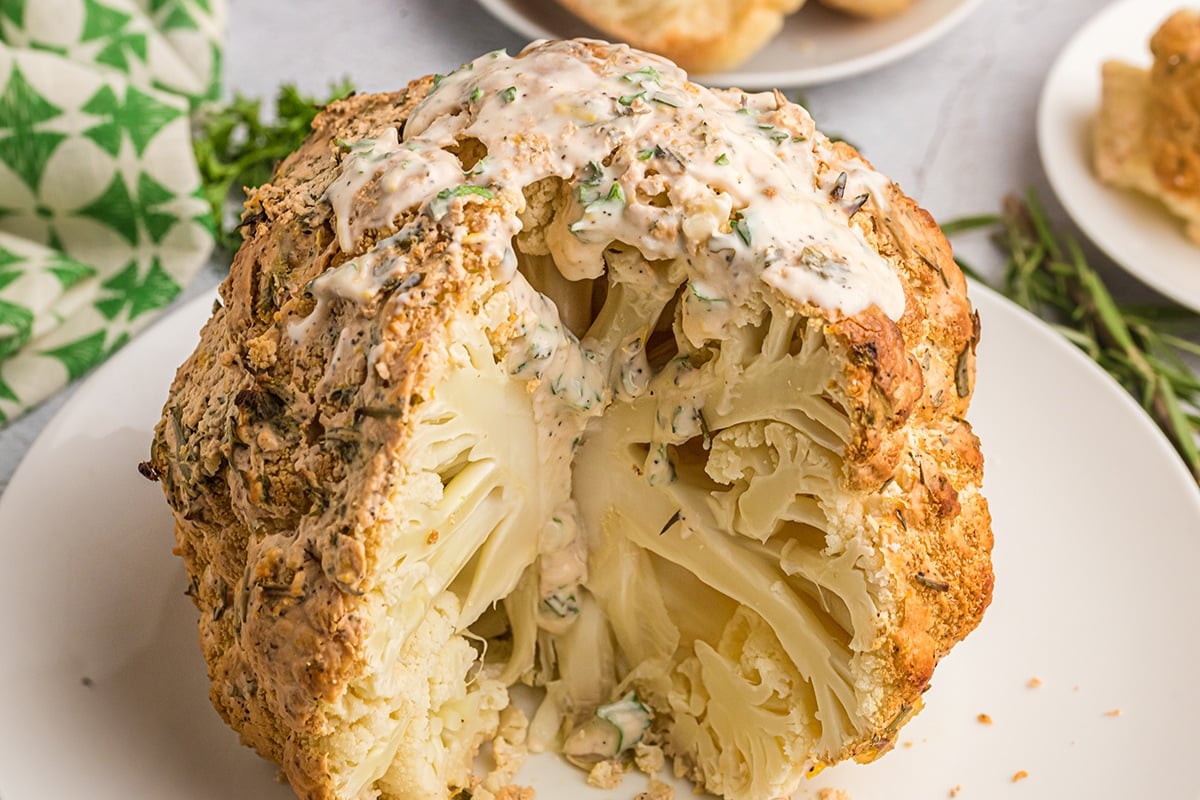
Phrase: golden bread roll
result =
(1147, 132)
(698, 35)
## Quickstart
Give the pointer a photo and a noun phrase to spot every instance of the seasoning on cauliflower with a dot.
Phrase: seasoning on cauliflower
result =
(563, 371)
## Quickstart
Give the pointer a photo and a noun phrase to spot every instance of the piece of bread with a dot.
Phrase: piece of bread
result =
(1147, 132)
(698, 35)
(563, 370)
(873, 9)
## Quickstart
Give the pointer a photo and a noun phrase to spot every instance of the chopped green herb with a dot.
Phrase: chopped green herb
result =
(630, 718)
(646, 73)
(587, 194)
(658, 151)
(464, 190)
(562, 605)
(594, 173)
(476, 94)
(700, 294)
(509, 95)
(722, 160)
(478, 168)
(441, 203)
(741, 228)
(665, 99)
(590, 197)
(627, 99)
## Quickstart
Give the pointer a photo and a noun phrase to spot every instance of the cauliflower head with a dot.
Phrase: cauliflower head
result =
(564, 371)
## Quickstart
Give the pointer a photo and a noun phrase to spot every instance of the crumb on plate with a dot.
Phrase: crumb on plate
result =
(648, 758)
(606, 775)
(657, 790)
(832, 794)
(514, 792)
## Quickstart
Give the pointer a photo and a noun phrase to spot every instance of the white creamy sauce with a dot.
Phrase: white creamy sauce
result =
(358, 280)
(391, 178)
(733, 175)
(720, 185)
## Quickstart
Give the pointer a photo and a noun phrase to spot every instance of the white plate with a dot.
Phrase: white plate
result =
(815, 46)
(1135, 231)
(1096, 527)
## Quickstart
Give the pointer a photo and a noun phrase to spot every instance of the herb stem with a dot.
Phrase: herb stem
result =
(1046, 272)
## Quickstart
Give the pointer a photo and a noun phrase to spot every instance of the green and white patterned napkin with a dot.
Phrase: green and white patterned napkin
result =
(102, 218)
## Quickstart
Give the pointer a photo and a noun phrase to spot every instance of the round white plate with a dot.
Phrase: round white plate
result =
(104, 694)
(1134, 230)
(815, 46)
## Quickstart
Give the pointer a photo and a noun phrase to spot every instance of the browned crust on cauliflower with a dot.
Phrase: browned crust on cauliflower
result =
(276, 476)
(912, 382)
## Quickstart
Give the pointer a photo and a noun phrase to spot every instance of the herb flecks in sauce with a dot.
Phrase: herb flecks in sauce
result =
(576, 109)
(718, 189)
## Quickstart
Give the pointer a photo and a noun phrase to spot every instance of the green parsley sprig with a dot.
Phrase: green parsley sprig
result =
(1140, 346)
(237, 145)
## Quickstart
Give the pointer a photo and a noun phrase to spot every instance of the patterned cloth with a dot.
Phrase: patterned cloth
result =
(102, 217)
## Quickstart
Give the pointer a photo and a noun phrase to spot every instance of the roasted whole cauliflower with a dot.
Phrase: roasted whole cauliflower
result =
(561, 370)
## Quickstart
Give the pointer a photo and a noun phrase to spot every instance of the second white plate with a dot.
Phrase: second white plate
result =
(815, 46)
(1135, 231)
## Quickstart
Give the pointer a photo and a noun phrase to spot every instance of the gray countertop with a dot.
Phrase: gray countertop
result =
(953, 123)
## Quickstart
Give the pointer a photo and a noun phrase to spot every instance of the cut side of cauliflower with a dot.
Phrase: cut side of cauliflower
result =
(563, 371)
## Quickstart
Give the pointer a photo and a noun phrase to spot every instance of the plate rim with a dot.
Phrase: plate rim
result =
(519, 22)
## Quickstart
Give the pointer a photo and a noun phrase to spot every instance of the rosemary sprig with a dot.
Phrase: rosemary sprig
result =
(1047, 273)
(237, 147)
